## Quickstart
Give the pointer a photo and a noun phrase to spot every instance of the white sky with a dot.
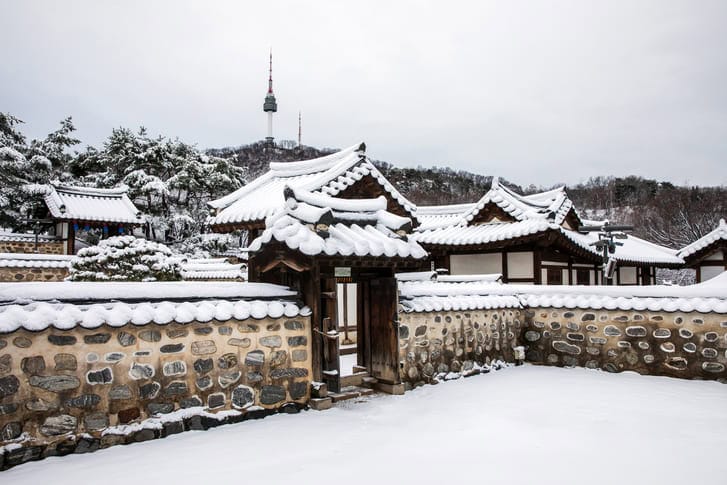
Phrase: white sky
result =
(536, 91)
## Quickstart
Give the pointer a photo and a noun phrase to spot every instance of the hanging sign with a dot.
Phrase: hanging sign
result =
(342, 272)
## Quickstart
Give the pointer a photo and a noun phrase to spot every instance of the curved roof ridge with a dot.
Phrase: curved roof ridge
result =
(313, 165)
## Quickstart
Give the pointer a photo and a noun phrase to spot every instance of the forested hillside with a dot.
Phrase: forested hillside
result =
(172, 182)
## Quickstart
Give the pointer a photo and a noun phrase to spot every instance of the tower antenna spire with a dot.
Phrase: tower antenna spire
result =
(271, 105)
(299, 127)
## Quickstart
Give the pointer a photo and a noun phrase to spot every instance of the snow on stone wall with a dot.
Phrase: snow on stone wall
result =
(82, 389)
(677, 344)
(448, 344)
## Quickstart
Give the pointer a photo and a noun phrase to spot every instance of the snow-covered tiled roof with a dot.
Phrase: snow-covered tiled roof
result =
(32, 260)
(316, 224)
(434, 216)
(463, 235)
(553, 205)
(437, 295)
(718, 234)
(212, 269)
(91, 204)
(37, 306)
(25, 237)
(327, 175)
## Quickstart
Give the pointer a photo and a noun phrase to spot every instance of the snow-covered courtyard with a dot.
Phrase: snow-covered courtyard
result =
(521, 425)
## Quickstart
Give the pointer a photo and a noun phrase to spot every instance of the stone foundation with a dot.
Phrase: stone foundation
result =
(63, 389)
(12, 275)
(688, 345)
(432, 343)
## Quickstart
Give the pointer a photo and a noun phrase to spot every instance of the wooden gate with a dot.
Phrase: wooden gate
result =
(383, 329)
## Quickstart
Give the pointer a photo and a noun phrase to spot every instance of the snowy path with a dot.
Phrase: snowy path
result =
(517, 426)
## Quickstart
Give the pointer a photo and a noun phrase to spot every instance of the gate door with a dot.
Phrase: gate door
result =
(384, 330)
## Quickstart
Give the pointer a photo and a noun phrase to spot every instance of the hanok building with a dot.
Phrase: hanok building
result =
(530, 239)
(708, 254)
(319, 224)
(335, 223)
(74, 209)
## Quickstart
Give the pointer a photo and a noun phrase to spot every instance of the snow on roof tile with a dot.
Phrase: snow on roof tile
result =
(421, 296)
(37, 306)
(435, 216)
(316, 224)
(33, 260)
(91, 204)
(553, 204)
(212, 269)
(718, 234)
(328, 175)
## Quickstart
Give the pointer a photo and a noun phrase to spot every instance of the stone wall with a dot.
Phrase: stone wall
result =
(59, 389)
(44, 247)
(689, 345)
(12, 275)
(457, 342)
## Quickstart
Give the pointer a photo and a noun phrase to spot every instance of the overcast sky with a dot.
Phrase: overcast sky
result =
(536, 91)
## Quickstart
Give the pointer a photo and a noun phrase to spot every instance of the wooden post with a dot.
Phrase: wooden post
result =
(505, 275)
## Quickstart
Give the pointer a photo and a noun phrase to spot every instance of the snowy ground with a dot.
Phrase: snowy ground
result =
(521, 425)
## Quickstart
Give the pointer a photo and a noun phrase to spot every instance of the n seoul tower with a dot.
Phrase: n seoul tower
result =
(270, 106)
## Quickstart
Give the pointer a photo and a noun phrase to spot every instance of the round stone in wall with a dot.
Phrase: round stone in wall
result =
(176, 388)
(22, 342)
(6, 364)
(101, 376)
(190, 402)
(40, 405)
(171, 348)
(711, 336)
(636, 331)
(203, 383)
(709, 353)
(225, 330)
(713, 367)
(118, 393)
(299, 355)
(226, 379)
(239, 342)
(649, 359)
(667, 347)
(84, 401)
(204, 347)
(58, 425)
(55, 383)
(685, 333)
(125, 339)
(141, 371)
(216, 400)
(563, 346)
(113, 357)
(175, 368)
(643, 345)
(95, 421)
(242, 397)
(62, 339)
(689, 347)
(662, 333)
(33, 365)
(611, 331)
(65, 362)
(150, 335)
(150, 390)
(272, 394)
(11, 431)
(203, 366)
(255, 357)
(532, 336)
(227, 361)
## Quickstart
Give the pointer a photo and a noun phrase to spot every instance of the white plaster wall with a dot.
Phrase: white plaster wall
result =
(715, 256)
(475, 263)
(628, 275)
(709, 272)
(520, 265)
(351, 297)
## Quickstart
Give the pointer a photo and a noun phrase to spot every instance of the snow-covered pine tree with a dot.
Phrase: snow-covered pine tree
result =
(125, 258)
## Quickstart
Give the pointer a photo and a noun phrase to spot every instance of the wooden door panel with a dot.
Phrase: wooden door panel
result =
(383, 326)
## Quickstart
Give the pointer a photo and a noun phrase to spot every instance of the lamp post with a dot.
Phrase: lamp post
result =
(606, 244)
